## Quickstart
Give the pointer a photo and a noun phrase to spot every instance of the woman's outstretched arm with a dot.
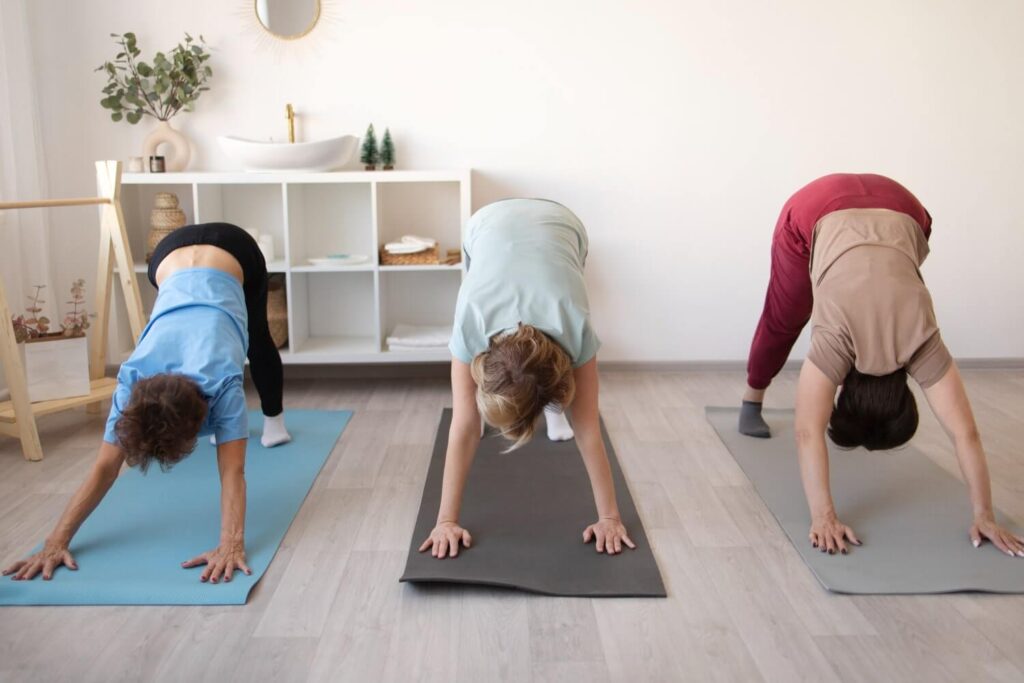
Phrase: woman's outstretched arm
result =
(229, 554)
(463, 440)
(814, 402)
(608, 532)
(949, 402)
(56, 550)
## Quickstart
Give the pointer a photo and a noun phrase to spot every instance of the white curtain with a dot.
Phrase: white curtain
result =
(24, 235)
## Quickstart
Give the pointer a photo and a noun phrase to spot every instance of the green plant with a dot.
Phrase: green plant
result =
(387, 151)
(369, 155)
(33, 325)
(172, 82)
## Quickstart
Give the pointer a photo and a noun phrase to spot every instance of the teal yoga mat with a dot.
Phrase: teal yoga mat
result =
(130, 550)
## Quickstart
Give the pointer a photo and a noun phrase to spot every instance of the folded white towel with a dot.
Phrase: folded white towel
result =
(419, 336)
(428, 242)
(410, 244)
(403, 248)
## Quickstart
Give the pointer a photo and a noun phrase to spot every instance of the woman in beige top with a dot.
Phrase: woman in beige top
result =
(862, 239)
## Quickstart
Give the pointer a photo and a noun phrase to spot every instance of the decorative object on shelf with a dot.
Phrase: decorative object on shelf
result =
(56, 363)
(135, 165)
(157, 164)
(164, 219)
(410, 244)
(413, 337)
(161, 89)
(163, 134)
(411, 250)
(340, 260)
(369, 154)
(424, 257)
(266, 243)
(387, 151)
(453, 257)
(277, 310)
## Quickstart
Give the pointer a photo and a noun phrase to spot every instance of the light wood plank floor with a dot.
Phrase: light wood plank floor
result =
(742, 606)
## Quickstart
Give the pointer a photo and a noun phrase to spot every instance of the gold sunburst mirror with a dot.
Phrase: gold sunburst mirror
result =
(287, 19)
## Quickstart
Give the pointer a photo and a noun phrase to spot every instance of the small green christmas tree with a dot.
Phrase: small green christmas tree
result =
(387, 151)
(370, 156)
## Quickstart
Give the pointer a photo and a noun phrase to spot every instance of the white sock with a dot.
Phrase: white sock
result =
(558, 425)
(274, 431)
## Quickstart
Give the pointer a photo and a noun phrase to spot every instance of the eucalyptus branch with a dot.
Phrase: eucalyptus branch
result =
(173, 82)
(139, 79)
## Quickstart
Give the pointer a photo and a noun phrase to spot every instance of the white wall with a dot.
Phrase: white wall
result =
(675, 129)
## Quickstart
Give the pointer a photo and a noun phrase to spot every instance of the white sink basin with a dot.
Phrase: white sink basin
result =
(323, 155)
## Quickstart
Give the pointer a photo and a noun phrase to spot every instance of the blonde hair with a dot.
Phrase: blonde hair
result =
(519, 374)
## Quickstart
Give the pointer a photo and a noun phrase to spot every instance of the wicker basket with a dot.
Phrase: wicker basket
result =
(427, 257)
(165, 218)
(277, 311)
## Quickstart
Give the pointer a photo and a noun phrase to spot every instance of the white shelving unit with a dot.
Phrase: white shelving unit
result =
(335, 314)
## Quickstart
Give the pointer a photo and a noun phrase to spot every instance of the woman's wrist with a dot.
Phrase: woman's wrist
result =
(984, 514)
(56, 540)
(232, 538)
(824, 513)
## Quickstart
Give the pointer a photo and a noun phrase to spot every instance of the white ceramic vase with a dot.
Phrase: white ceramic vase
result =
(163, 134)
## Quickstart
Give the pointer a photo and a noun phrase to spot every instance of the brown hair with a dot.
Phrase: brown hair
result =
(519, 374)
(161, 421)
(876, 412)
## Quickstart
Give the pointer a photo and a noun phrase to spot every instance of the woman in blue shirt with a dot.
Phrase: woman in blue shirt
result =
(184, 380)
(522, 345)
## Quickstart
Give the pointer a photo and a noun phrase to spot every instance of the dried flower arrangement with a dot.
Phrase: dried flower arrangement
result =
(33, 325)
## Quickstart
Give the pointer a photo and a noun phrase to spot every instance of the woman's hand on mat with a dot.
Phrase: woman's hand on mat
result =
(444, 540)
(829, 535)
(609, 535)
(43, 562)
(986, 527)
(220, 562)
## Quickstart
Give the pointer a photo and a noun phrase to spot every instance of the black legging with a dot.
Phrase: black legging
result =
(264, 360)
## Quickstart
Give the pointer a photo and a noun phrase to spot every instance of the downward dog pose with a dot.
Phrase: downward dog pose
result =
(183, 380)
(846, 256)
(522, 345)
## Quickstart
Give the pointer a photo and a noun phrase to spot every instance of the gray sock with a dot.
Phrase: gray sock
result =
(751, 422)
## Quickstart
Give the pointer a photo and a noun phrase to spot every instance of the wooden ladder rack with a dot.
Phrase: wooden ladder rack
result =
(18, 415)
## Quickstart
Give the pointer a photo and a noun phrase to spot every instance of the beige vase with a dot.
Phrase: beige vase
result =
(165, 218)
(180, 150)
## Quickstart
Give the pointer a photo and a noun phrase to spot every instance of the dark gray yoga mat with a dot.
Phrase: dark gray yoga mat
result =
(527, 511)
(911, 515)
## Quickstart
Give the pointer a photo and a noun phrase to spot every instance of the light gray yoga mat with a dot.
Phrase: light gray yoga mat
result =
(911, 515)
(527, 511)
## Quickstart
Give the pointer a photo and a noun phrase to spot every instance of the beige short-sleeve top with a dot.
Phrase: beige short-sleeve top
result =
(872, 310)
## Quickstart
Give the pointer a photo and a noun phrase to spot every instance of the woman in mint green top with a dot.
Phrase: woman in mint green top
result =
(525, 259)
(522, 345)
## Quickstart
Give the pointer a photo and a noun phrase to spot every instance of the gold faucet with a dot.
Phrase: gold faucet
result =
(290, 112)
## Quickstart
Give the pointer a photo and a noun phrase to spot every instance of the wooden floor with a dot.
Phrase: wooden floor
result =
(742, 605)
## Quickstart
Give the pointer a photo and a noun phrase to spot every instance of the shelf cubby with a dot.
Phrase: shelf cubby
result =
(430, 209)
(417, 297)
(336, 218)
